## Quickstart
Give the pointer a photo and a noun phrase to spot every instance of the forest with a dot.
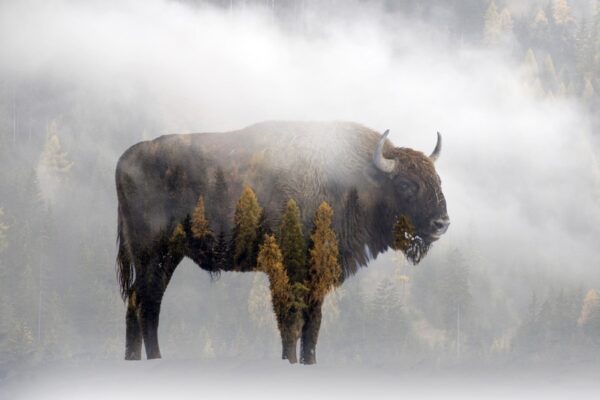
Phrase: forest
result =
(505, 297)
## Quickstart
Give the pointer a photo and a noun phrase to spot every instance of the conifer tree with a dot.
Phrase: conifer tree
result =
(220, 201)
(550, 77)
(561, 12)
(53, 159)
(588, 90)
(177, 239)
(288, 298)
(246, 229)
(221, 253)
(492, 26)
(3, 229)
(270, 261)
(293, 246)
(589, 320)
(497, 24)
(540, 29)
(532, 72)
(506, 22)
(324, 268)
(454, 291)
(591, 301)
(200, 226)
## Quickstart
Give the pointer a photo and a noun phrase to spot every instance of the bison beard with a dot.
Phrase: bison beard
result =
(406, 240)
(367, 182)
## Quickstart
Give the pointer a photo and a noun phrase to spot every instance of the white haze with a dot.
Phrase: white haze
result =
(521, 181)
(518, 187)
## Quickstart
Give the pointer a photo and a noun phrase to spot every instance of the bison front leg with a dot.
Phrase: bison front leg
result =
(290, 333)
(310, 333)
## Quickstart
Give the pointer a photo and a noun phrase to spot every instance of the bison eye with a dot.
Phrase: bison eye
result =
(407, 188)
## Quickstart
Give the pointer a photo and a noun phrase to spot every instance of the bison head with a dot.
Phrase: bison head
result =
(413, 196)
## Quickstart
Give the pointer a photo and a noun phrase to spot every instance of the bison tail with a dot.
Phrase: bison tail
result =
(125, 272)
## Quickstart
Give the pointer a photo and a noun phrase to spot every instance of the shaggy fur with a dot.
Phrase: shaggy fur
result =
(159, 182)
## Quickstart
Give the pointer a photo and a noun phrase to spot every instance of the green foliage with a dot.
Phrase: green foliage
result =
(292, 243)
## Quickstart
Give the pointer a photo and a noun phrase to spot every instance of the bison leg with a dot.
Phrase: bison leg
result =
(150, 292)
(133, 336)
(290, 333)
(310, 333)
(289, 344)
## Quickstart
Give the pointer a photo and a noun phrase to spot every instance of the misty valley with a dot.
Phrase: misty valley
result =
(266, 176)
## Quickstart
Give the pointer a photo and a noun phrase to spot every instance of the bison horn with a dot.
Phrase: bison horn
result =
(438, 148)
(384, 164)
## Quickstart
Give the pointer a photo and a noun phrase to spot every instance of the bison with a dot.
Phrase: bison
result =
(160, 181)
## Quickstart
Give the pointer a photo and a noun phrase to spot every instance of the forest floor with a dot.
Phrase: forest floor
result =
(194, 379)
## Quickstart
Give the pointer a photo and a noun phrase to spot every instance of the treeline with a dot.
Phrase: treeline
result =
(558, 41)
(300, 274)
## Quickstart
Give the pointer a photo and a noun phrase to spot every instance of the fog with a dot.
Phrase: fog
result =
(520, 169)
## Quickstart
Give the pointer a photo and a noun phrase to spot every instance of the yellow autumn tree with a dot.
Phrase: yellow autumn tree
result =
(270, 261)
(200, 226)
(177, 239)
(324, 267)
(590, 302)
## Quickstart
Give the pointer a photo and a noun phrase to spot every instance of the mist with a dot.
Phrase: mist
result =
(519, 170)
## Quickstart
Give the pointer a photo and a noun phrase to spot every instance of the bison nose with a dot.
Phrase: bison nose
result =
(441, 225)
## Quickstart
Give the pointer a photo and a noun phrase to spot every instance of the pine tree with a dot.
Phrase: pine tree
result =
(492, 28)
(454, 291)
(246, 229)
(561, 12)
(589, 319)
(388, 317)
(591, 301)
(588, 91)
(506, 22)
(540, 29)
(220, 201)
(53, 158)
(550, 78)
(3, 230)
(200, 226)
(293, 246)
(222, 257)
(584, 49)
(324, 268)
(177, 239)
(270, 261)
(532, 73)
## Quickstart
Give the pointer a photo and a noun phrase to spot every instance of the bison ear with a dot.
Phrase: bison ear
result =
(438, 148)
(382, 163)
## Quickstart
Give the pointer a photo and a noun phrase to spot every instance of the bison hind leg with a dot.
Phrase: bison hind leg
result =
(152, 278)
(133, 336)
